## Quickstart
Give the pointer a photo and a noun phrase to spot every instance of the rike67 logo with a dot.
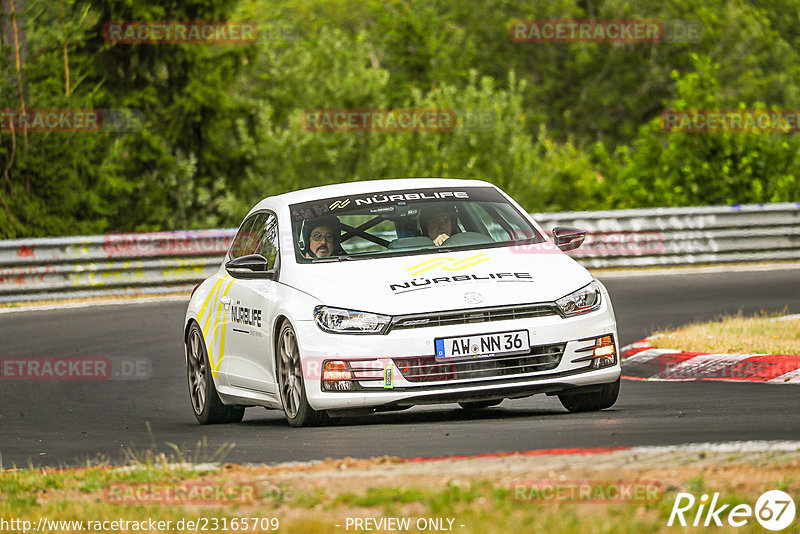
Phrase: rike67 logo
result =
(774, 510)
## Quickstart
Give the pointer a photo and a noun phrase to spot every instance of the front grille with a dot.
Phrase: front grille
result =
(429, 369)
(472, 315)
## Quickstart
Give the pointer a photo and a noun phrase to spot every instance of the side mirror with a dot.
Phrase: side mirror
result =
(568, 238)
(250, 266)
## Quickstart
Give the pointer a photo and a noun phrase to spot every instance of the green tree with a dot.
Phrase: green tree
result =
(676, 169)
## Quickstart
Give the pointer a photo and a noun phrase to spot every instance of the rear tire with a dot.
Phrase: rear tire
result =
(479, 405)
(206, 404)
(591, 402)
(291, 384)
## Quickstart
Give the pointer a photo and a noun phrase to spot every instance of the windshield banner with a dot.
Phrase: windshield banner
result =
(378, 202)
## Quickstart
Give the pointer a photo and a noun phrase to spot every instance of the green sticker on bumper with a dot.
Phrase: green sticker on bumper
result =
(387, 377)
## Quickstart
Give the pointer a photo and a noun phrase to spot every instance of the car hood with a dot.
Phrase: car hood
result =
(439, 282)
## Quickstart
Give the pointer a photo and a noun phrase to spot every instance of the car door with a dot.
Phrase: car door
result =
(249, 310)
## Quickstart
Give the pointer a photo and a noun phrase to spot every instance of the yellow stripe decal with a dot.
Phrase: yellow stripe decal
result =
(215, 368)
(476, 262)
(210, 319)
(467, 260)
(444, 261)
(428, 265)
(219, 311)
(208, 299)
(207, 322)
(417, 266)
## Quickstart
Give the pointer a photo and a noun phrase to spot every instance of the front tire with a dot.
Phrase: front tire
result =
(591, 402)
(290, 381)
(206, 404)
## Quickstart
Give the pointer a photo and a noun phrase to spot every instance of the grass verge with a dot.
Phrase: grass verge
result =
(464, 496)
(737, 334)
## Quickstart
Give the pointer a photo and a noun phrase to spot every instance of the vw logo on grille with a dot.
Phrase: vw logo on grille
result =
(473, 297)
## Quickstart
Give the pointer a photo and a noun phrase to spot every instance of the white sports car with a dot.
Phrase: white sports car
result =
(381, 295)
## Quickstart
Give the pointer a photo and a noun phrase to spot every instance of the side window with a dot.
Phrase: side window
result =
(237, 247)
(246, 240)
(267, 234)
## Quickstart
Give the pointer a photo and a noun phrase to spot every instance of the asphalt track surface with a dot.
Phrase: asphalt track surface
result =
(67, 423)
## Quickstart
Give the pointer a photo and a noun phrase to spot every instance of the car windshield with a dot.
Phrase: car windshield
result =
(407, 222)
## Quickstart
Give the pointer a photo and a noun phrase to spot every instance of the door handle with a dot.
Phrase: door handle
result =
(226, 301)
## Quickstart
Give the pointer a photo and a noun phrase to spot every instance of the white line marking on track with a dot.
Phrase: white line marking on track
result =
(109, 302)
(678, 270)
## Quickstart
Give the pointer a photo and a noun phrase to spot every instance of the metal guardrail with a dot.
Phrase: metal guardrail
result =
(170, 262)
(684, 236)
(109, 265)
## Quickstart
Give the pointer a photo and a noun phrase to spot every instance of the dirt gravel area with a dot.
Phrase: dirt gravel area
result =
(742, 467)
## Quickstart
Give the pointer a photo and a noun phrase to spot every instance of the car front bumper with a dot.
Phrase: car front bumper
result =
(382, 355)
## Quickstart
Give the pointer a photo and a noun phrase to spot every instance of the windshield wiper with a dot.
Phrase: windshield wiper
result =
(331, 259)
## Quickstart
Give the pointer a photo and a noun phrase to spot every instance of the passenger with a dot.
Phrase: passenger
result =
(438, 223)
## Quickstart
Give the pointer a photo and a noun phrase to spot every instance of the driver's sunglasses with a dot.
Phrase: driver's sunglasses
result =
(318, 237)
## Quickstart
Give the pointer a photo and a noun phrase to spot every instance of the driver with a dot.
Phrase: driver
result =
(321, 237)
(438, 223)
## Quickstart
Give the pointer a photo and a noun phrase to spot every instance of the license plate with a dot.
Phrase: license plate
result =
(484, 345)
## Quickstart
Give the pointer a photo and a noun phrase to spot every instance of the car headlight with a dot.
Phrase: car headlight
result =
(341, 321)
(584, 300)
